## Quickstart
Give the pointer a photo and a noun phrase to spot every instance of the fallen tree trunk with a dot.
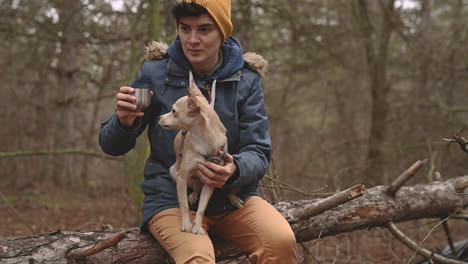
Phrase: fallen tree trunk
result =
(377, 208)
(374, 208)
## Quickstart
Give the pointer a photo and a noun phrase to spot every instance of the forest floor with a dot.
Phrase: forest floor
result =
(32, 212)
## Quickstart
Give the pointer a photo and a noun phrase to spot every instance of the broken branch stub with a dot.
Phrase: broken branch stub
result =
(111, 241)
(404, 177)
(329, 203)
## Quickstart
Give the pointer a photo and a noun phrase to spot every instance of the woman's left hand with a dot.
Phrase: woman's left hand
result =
(215, 175)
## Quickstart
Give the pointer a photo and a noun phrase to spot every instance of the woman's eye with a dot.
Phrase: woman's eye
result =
(173, 111)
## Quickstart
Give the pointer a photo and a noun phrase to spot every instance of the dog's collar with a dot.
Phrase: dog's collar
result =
(207, 157)
(217, 159)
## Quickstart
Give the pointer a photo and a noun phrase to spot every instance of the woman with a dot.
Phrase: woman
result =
(205, 48)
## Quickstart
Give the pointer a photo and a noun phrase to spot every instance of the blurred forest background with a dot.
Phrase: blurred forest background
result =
(357, 90)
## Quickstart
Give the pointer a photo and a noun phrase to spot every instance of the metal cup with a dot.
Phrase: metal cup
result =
(143, 97)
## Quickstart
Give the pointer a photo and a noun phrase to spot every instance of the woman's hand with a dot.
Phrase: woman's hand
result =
(127, 111)
(215, 175)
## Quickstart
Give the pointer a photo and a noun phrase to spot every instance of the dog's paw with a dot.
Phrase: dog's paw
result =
(193, 198)
(198, 230)
(186, 226)
(236, 201)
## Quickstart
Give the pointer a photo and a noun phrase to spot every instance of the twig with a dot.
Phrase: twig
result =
(330, 202)
(306, 253)
(112, 241)
(461, 216)
(457, 138)
(430, 232)
(419, 249)
(449, 237)
(404, 177)
(318, 245)
(294, 189)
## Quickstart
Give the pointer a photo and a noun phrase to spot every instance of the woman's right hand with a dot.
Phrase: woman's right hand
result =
(127, 111)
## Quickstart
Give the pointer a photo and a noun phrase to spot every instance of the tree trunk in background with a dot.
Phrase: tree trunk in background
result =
(373, 209)
(243, 22)
(375, 40)
(155, 21)
(66, 132)
(90, 133)
(446, 95)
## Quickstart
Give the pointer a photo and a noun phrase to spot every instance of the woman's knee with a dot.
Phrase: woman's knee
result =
(191, 249)
(182, 246)
(283, 245)
(194, 254)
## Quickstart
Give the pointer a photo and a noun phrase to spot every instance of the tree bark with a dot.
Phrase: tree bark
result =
(374, 208)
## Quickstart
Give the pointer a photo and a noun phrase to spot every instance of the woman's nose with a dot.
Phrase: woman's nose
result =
(193, 38)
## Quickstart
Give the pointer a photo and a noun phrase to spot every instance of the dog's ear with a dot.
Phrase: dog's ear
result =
(193, 90)
(193, 106)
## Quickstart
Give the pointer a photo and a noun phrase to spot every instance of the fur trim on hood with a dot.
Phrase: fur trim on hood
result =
(156, 50)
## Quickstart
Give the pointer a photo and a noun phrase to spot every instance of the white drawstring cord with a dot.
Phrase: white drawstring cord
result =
(190, 78)
(213, 94)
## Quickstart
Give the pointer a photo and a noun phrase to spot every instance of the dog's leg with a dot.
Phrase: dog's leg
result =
(193, 197)
(183, 203)
(205, 196)
(236, 201)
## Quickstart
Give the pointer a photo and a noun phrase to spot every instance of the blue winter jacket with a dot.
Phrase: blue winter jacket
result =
(239, 104)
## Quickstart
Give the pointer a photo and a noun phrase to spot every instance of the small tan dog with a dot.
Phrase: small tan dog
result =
(202, 135)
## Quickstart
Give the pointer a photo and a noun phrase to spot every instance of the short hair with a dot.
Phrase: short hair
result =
(185, 9)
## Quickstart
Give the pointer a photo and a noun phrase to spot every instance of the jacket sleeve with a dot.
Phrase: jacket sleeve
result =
(254, 153)
(114, 138)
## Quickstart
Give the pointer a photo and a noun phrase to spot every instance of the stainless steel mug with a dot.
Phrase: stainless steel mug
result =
(143, 97)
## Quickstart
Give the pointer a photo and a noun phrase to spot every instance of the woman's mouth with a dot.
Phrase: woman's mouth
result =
(194, 51)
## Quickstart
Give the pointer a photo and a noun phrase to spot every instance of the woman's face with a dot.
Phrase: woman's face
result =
(201, 40)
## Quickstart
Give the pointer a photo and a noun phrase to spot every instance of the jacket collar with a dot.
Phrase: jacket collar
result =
(175, 70)
(158, 50)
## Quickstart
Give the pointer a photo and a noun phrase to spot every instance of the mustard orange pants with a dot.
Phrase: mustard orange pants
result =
(257, 229)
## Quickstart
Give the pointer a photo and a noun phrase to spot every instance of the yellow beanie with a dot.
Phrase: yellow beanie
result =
(220, 11)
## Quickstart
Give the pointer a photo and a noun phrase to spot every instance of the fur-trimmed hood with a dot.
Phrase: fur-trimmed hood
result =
(157, 50)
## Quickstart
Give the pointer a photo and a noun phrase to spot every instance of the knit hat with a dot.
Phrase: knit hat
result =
(220, 11)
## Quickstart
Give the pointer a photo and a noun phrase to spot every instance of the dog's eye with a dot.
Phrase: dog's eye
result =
(173, 111)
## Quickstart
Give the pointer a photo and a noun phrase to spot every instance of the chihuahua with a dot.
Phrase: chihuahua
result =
(202, 137)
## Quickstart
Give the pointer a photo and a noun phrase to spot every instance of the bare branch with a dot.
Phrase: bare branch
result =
(403, 178)
(457, 138)
(420, 250)
(111, 241)
(330, 202)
